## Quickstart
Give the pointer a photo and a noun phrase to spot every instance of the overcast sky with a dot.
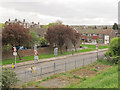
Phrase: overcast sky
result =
(75, 12)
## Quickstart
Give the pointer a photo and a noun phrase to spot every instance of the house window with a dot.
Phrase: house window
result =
(89, 35)
(100, 40)
(100, 35)
(94, 34)
(83, 34)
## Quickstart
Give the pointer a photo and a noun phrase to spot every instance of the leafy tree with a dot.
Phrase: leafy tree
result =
(8, 77)
(43, 42)
(50, 24)
(16, 35)
(35, 38)
(114, 47)
(113, 53)
(2, 25)
(95, 27)
(58, 35)
(115, 26)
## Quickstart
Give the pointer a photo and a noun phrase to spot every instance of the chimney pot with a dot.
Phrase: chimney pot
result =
(9, 19)
(23, 20)
(15, 19)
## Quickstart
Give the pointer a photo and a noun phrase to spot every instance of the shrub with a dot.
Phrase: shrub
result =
(8, 78)
(114, 50)
(114, 47)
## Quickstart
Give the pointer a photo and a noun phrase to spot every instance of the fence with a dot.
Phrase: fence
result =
(46, 71)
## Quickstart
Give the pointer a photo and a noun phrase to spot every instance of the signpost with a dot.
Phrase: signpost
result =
(15, 54)
(36, 54)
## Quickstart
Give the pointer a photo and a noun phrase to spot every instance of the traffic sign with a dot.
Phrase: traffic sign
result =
(14, 49)
(96, 46)
(15, 53)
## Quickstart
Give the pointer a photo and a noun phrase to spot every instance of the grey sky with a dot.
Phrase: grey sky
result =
(80, 12)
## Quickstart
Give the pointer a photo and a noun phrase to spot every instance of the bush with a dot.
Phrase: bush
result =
(8, 77)
(114, 47)
(113, 52)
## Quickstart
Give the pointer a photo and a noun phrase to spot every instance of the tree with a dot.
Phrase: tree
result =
(51, 24)
(115, 26)
(43, 42)
(114, 47)
(8, 77)
(113, 53)
(2, 25)
(58, 35)
(75, 39)
(95, 27)
(35, 38)
(16, 35)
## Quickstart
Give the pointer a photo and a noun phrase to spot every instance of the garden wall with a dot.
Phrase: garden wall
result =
(26, 52)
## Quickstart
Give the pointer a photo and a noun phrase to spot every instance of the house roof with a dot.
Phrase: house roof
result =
(40, 31)
(96, 31)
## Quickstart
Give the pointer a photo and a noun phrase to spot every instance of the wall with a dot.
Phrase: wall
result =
(27, 52)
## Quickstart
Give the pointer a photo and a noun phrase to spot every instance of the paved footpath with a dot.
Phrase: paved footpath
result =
(53, 59)
(24, 72)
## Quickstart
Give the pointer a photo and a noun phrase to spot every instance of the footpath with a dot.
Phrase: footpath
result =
(53, 58)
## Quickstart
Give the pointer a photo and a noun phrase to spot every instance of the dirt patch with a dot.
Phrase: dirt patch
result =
(73, 77)
(59, 82)
(90, 71)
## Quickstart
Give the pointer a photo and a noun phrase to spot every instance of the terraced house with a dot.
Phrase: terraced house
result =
(102, 36)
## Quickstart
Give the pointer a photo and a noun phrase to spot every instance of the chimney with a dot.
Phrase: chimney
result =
(23, 20)
(15, 19)
(32, 22)
(9, 19)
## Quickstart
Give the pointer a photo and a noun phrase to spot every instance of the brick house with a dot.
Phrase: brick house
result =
(93, 35)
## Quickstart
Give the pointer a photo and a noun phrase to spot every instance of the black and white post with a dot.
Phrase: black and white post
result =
(15, 54)
(36, 53)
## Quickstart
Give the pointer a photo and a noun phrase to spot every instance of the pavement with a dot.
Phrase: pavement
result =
(52, 59)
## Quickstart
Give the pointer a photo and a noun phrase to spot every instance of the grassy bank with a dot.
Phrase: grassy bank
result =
(41, 56)
(105, 77)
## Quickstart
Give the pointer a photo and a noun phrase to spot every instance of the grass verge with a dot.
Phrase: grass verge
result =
(41, 56)
(102, 79)
(94, 46)
(106, 79)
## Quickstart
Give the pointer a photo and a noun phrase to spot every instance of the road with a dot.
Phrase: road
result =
(61, 65)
